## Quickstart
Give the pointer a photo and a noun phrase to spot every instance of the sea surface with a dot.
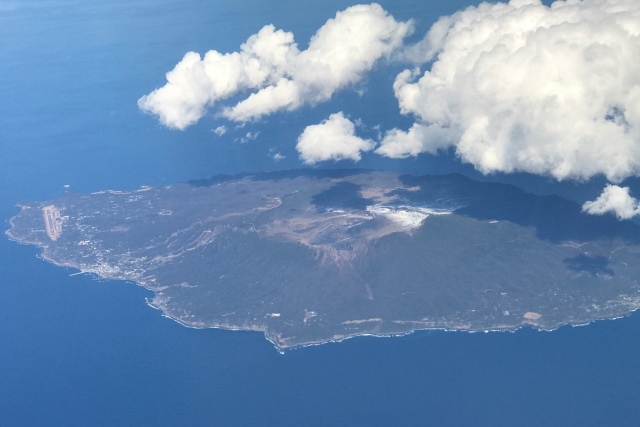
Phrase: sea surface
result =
(76, 351)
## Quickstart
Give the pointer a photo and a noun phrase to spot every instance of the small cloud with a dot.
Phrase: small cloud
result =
(333, 139)
(220, 130)
(378, 132)
(277, 157)
(615, 200)
(249, 136)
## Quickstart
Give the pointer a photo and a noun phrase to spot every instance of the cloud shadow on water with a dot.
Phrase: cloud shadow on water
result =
(554, 218)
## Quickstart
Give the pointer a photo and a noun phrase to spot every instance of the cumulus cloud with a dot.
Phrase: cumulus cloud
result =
(279, 75)
(520, 86)
(197, 82)
(615, 200)
(418, 139)
(333, 139)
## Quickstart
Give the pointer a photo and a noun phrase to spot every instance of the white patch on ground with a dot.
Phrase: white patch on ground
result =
(405, 216)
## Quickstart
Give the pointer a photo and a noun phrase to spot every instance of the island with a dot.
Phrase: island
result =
(311, 256)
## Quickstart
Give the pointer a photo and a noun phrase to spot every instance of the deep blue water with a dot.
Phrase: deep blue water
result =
(77, 351)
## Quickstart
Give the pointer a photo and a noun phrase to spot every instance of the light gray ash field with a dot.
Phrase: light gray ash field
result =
(314, 256)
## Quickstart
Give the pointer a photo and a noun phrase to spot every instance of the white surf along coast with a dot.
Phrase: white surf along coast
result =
(309, 257)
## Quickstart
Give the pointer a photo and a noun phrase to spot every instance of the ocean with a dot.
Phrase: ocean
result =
(76, 351)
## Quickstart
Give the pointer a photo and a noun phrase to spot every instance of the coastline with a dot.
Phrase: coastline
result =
(282, 348)
(541, 301)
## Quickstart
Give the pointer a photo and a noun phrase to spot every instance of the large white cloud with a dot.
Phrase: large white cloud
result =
(333, 139)
(281, 77)
(196, 82)
(615, 200)
(525, 87)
